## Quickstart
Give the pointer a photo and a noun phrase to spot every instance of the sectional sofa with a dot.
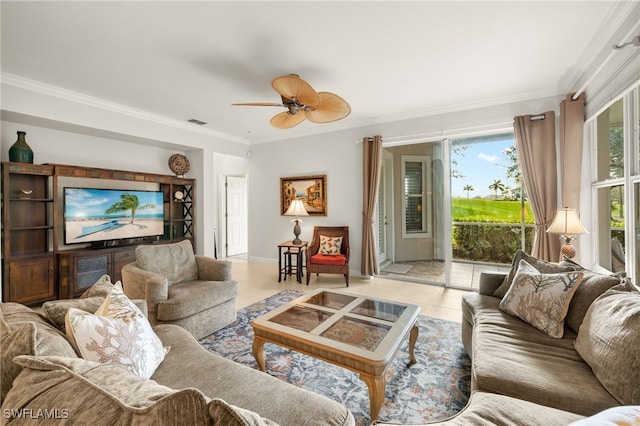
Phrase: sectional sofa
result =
(587, 373)
(44, 381)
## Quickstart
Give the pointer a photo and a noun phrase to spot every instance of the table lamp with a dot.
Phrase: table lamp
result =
(296, 209)
(567, 223)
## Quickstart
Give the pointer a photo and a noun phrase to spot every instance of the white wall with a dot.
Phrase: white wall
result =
(61, 147)
(336, 155)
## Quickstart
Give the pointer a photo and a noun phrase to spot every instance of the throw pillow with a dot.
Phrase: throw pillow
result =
(609, 339)
(116, 396)
(330, 245)
(118, 333)
(541, 265)
(541, 300)
(226, 414)
(176, 261)
(616, 416)
(26, 338)
(25, 332)
(100, 288)
(56, 310)
(592, 286)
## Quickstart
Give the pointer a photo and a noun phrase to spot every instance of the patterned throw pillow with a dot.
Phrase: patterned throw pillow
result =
(541, 300)
(609, 339)
(118, 333)
(330, 245)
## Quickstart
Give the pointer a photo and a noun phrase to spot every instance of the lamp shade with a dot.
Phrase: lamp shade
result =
(296, 209)
(566, 222)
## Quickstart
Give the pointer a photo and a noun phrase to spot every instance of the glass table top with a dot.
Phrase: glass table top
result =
(353, 320)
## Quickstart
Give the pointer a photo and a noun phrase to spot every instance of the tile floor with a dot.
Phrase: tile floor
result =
(260, 280)
(462, 274)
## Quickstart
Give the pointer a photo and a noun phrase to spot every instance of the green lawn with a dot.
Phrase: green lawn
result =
(480, 210)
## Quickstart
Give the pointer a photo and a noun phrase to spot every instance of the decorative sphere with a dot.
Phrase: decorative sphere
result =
(179, 164)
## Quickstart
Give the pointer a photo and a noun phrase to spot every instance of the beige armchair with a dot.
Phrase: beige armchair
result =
(194, 292)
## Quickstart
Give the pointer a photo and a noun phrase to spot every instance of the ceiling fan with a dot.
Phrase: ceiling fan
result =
(302, 101)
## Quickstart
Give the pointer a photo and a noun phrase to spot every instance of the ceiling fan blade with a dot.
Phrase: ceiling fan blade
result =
(293, 87)
(332, 108)
(259, 104)
(285, 120)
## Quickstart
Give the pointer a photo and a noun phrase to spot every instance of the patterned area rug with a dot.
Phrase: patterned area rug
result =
(433, 389)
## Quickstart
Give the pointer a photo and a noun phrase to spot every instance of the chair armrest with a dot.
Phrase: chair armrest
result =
(140, 284)
(213, 269)
(489, 282)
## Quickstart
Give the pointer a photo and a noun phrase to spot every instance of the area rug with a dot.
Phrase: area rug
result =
(434, 388)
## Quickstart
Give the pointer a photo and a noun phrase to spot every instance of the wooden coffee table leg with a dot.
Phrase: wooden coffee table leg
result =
(376, 385)
(258, 352)
(413, 337)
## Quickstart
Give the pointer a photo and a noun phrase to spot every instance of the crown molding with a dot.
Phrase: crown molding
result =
(80, 98)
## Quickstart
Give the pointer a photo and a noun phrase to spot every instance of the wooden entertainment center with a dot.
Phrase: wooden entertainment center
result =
(37, 266)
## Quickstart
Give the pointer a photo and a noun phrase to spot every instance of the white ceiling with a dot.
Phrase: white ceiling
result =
(390, 60)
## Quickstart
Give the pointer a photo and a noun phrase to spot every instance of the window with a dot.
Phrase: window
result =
(616, 185)
(416, 189)
(490, 215)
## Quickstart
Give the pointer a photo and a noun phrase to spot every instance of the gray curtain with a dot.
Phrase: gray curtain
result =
(371, 165)
(536, 147)
(571, 135)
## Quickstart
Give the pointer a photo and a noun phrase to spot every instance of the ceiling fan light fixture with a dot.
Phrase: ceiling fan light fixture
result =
(298, 95)
(286, 120)
(332, 108)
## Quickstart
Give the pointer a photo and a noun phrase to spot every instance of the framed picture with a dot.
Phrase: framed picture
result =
(312, 190)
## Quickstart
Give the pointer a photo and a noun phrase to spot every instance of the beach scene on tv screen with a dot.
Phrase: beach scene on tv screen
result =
(102, 214)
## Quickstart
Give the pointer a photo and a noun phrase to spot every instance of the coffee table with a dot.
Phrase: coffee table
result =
(357, 332)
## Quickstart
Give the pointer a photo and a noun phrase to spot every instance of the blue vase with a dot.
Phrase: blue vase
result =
(20, 152)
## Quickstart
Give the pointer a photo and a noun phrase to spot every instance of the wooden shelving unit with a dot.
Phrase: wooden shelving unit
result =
(35, 268)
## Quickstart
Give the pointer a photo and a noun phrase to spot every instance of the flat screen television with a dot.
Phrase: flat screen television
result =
(96, 215)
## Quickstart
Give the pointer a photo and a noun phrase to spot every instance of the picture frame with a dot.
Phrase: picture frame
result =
(312, 190)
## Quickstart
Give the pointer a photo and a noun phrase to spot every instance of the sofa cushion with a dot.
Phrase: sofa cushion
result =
(488, 409)
(117, 397)
(541, 265)
(191, 297)
(240, 385)
(175, 261)
(609, 341)
(511, 357)
(100, 288)
(592, 286)
(56, 310)
(542, 300)
(24, 332)
(118, 333)
(229, 415)
(330, 245)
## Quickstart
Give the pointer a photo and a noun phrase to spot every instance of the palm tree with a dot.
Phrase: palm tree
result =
(128, 202)
(496, 186)
(468, 188)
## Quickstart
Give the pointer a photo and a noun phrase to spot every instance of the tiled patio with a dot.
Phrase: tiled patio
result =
(462, 274)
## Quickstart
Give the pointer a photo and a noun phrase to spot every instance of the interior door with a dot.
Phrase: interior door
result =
(236, 215)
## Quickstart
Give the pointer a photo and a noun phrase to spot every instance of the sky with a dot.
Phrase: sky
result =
(480, 164)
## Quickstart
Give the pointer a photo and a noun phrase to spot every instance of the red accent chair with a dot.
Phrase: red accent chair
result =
(319, 263)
